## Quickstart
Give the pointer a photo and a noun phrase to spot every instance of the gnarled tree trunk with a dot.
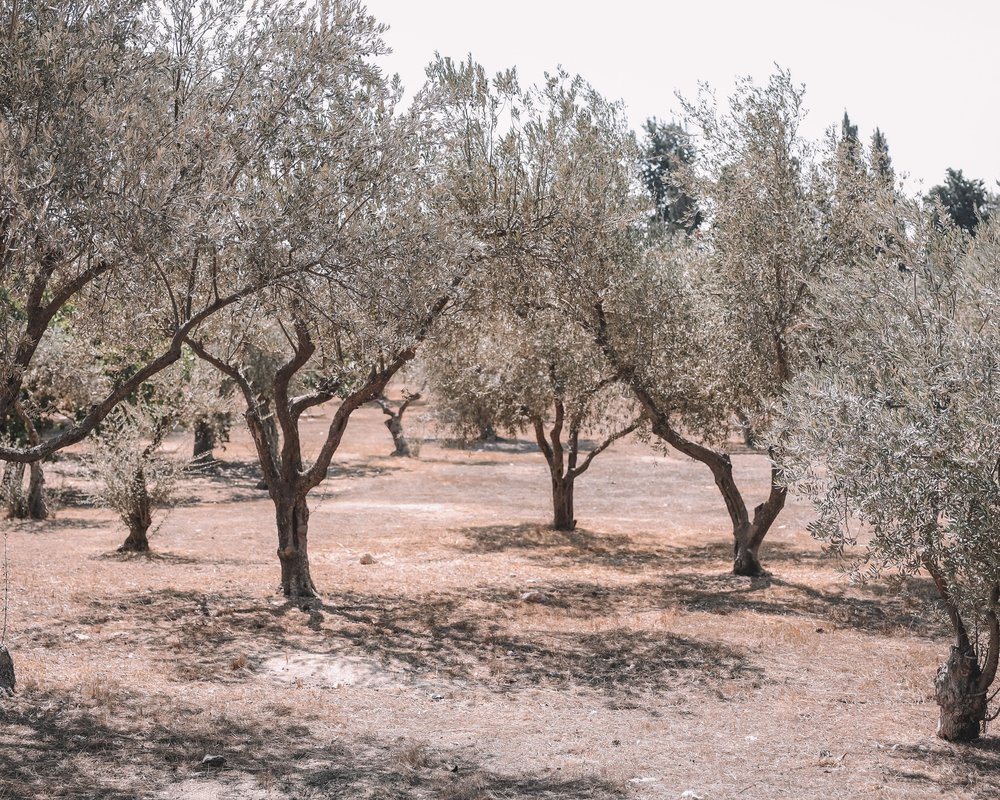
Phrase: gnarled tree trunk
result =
(958, 694)
(395, 422)
(961, 685)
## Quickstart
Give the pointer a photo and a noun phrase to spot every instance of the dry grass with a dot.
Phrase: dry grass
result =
(645, 671)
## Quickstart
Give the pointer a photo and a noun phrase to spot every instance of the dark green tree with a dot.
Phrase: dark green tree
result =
(849, 141)
(964, 199)
(667, 150)
(880, 160)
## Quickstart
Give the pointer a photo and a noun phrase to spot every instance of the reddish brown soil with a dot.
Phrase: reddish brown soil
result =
(649, 672)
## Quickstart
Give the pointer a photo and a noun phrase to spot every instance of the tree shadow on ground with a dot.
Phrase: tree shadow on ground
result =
(691, 581)
(912, 606)
(450, 636)
(960, 768)
(150, 557)
(53, 524)
(618, 551)
(579, 546)
(498, 445)
(124, 745)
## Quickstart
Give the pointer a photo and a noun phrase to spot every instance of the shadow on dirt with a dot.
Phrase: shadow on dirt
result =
(971, 769)
(123, 745)
(692, 580)
(578, 547)
(913, 607)
(218, 638)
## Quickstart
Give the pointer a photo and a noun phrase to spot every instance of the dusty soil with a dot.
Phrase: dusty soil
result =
(647, 672)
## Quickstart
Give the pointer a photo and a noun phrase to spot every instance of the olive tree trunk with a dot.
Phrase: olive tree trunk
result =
(395, 422)
(139, 516)
(562, 503)
(748, 532)
(292, 517)
(961, 686)
(204, 441)
(564, 459)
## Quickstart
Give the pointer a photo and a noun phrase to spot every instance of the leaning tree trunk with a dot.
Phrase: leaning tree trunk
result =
(562, 503)
(748, 533)
(139, 517)
(293, 528)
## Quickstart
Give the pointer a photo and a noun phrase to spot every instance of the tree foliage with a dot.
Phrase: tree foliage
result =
(896, 434)
(964, 200)
(667, 153)
(561, 202)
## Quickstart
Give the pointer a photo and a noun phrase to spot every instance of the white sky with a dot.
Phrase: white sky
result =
(925, 72)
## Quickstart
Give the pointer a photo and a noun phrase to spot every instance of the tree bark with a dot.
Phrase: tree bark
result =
(139, 518)
(961, 686)
(292, 516)
(395, 422)
(204, 441)
(562, 503)
(746, 560)
(960, 697)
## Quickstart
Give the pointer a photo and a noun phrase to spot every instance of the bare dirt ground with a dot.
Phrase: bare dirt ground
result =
(649, 672)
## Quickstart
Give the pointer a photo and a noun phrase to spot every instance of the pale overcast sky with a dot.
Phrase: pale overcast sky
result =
(926, 73)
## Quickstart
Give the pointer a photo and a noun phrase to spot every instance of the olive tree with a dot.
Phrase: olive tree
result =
(133, 477)
(707, 330)
(895, 433)
(560, 201)
(367, 190)
(537, 372)
(128, 130)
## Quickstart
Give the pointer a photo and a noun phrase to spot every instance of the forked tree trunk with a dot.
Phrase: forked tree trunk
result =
(293, 530)
(139, 517)
(564, 459)
(562, 503)
(748, 532)
(395, 422)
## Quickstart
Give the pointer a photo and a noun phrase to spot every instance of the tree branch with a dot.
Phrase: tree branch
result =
(605, 445)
